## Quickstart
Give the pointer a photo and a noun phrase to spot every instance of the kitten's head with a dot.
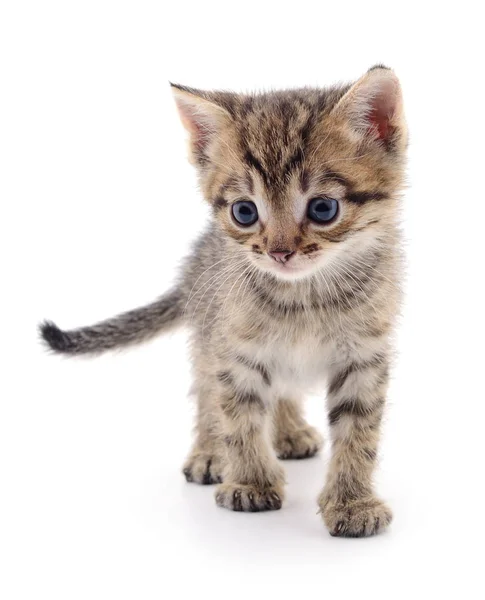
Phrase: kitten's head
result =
(300, 178)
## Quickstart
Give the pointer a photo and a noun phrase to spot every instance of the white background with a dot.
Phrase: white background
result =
(98, 205)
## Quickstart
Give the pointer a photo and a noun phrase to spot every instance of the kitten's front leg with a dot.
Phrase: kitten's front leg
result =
(253, 478)
(356, 396)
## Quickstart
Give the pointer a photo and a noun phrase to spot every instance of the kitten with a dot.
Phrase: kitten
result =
(296, 279)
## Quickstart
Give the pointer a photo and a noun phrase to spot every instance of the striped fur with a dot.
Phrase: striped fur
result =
(263, 333)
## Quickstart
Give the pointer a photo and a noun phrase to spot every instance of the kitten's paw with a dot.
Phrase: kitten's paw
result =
(248, 498)
(203, 468)
(302, 443)
(359, 518)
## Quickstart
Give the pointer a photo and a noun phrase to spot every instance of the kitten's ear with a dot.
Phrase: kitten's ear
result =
(373, 106)
(200, 116)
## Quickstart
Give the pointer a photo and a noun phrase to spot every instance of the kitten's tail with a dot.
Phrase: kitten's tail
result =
(129, 328)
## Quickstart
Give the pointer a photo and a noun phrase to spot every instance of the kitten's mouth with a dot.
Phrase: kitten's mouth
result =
(285, 270)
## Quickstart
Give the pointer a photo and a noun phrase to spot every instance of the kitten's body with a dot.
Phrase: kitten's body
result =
(262, 338)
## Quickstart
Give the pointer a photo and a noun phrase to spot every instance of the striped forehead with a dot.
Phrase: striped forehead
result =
(273, 144)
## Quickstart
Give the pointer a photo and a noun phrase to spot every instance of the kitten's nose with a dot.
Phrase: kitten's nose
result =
(281, 256)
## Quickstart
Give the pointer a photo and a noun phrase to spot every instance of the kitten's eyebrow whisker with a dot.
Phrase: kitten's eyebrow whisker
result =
(231, 150)
(217, 137)
(312, 156)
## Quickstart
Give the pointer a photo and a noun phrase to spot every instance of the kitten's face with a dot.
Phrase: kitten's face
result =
(300, 179)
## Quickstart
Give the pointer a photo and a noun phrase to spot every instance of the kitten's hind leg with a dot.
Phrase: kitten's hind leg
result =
(293, 436)
(205, 464)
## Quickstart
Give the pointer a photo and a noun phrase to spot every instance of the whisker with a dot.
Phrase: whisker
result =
(222, 309)
(219, 276)
(202, 274)
(216, 293)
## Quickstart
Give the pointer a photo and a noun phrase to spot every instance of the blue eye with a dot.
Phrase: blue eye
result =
(245, 212)
(322, 210)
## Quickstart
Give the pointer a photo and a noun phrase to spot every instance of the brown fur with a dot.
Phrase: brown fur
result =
(276, 147)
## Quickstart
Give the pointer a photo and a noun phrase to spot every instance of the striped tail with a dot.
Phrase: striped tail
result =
(129, 328)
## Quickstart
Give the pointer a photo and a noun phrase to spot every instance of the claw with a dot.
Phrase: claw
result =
(236, 500)
(377, 523)
(252, 504)
(338, 528)
(207, 480)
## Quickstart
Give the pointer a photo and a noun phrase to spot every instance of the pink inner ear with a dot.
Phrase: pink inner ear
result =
(383, 109)
(196, 123)
(201, 116)
(380, 124)
(199, 136)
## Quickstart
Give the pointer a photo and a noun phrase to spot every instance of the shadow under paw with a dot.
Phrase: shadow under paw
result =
(360, 518)
(248, 498)
(203, 468)
(302, 443)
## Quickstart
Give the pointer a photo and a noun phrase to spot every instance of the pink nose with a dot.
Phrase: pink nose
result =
(281, 256)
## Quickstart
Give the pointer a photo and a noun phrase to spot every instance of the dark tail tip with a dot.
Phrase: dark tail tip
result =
(55, 338)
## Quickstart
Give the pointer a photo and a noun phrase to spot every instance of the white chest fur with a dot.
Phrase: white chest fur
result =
(295, 368)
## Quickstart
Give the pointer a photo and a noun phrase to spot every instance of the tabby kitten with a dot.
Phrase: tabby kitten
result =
(295, 280)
